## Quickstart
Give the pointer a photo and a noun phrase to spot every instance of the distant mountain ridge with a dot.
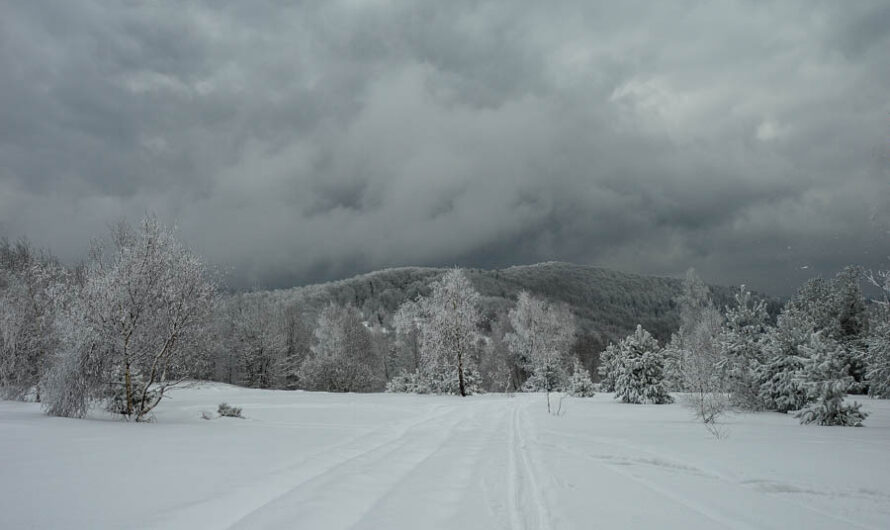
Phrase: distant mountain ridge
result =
(608, 304)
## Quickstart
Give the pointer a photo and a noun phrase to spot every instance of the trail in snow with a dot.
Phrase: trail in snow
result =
(304, 460)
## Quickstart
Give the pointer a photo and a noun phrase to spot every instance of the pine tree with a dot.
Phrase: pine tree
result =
(825, 382)
(746, 325)
(877, 355)
(780, 373)
(608, 368)
(837, 309)
(640, 373)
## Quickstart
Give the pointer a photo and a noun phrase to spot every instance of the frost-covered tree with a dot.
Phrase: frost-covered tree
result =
(878, 356)
(406, 324)
(499, 372)
(640, 372)
(695, 299)
(343, 358)
(448, 332)
(580, 384)
(256, 339)
(31, 287)
(806, 356)
(837, 310)
(825, 383)
(779, 374)
(608, 368)
(745, 328)
(878, 339)
(540, 341)
(693, 302)
(700, 366)
(141, 314)
(297, 346)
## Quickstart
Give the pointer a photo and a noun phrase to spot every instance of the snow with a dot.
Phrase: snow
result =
(318, 461)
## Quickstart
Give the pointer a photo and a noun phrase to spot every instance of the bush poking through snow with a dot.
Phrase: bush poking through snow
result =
(228, 411)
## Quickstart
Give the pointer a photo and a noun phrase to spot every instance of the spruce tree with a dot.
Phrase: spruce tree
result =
(742, 342)
(825, 383)
(640, 370)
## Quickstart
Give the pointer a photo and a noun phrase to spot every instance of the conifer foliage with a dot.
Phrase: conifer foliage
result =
(640, 370)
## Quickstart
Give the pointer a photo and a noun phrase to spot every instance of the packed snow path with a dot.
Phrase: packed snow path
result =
(318, 461)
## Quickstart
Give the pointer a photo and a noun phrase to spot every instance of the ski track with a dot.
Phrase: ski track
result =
(419, 447)
(248, 498)
(526, 490)
(498, 463)
(313, 490)
(461, 463)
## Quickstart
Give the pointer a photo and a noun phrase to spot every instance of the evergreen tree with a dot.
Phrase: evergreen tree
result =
(608, 368)
(640, 371)
(780, 373)
(746, 325)
(878, 372)
(878, 339)
(837, 309)
(825, 383)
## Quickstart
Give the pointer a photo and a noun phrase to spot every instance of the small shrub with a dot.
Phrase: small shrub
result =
(229, 411)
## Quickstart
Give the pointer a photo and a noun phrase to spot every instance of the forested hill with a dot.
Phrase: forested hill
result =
(608, 304)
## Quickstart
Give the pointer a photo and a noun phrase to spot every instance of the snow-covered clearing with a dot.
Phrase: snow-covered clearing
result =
(316, 461)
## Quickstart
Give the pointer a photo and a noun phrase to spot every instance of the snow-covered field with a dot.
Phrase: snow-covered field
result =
(382, 461)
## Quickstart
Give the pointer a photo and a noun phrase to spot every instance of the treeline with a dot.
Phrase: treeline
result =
(826, 343)
(143, 313)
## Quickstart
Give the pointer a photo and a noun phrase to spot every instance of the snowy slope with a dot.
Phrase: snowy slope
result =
(314, 460)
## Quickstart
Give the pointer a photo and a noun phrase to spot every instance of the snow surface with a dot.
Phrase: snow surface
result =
(387, 461)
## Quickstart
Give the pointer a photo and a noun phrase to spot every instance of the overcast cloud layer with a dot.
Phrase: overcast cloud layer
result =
(297, 142)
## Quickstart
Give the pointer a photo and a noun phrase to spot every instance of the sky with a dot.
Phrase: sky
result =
(296, 142)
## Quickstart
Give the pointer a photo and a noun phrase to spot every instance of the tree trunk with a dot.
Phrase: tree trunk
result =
(128, 387)
(460, 374)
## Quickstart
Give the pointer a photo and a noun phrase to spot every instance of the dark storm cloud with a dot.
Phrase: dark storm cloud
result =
(297, 142)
